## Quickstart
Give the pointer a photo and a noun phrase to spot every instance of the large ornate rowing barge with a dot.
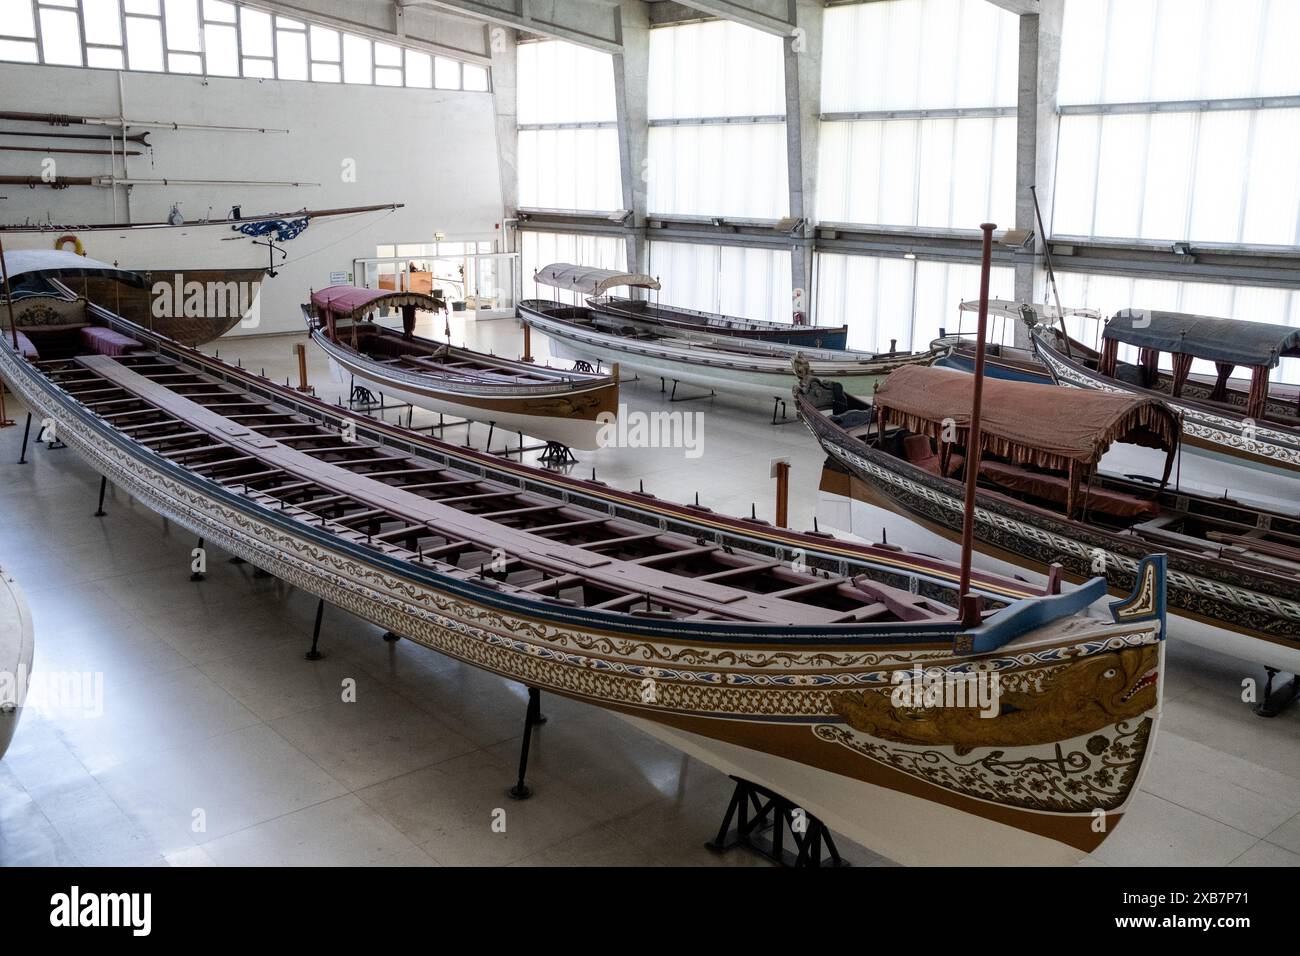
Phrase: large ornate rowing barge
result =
(1258, 425)
(777, 657)
(556, 405)
(1042, 501)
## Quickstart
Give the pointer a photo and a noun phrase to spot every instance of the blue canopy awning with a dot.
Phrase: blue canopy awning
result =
(1218, 340)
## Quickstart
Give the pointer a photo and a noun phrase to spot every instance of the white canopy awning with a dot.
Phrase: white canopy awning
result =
(1010, 309)
(589, 280)
(60, 263)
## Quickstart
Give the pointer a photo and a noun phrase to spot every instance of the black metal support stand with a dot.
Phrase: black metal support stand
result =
(532, 718)
(557, 454)
(27, 430)
(314, 654)
(762, 820)
(1278, 699)
(362, 399)
(103, 486)
(778, 404)
(198, 575)
(689, 398)
(392, 637)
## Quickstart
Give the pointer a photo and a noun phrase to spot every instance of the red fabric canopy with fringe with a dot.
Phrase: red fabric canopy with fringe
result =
(1042, 425)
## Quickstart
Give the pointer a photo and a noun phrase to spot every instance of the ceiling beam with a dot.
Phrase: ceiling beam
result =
(585, 22)
(770, 16)
(1021, 7)
(430, 30)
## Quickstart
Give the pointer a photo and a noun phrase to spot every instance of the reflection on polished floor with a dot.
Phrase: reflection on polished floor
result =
(218, 744)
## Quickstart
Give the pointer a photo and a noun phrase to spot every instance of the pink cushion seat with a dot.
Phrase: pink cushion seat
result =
(26, 349)
(107, 342)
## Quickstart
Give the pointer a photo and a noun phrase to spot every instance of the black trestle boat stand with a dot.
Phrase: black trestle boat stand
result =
(763, 820)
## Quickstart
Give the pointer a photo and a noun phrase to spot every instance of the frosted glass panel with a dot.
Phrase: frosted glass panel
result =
(144, 44)
(1219, 176)
(911, 54)
(732, 170)
(563, 83)
(182, 25)
(60, 37)
(718, 68)
(947, 173)
(1115, 51)
(539, 249)
(904, 301)
(731, 280)
(102, 21)
(569, 169)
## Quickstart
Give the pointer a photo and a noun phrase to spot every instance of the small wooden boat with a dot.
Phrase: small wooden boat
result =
(1257, 426)
(16, 647)
(552, 404)
(772, 655)
(957, 350)
(231, 255)
(738, 367)
(1041, 499)
(595, 284)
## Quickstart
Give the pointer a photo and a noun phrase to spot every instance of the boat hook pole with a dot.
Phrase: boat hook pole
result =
(968, 604)
(1051, 270)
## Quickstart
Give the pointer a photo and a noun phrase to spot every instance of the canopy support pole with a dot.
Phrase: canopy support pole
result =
(969, 604)
(781, 470)
(301, 351)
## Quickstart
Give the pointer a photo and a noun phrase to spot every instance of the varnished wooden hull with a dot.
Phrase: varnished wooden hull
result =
(214, 250)
(571, 414)
(799, 708)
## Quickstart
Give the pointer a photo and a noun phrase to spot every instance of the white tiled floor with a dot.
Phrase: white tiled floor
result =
(220, 745)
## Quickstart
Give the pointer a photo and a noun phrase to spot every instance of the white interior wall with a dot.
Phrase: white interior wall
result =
(435, 151)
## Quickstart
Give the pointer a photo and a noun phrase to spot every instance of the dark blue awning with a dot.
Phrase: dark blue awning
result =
(1217, 340)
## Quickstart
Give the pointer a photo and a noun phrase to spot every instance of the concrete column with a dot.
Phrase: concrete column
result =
(803, 87)
(631, 94)
(505, 100)
(1036, 128)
